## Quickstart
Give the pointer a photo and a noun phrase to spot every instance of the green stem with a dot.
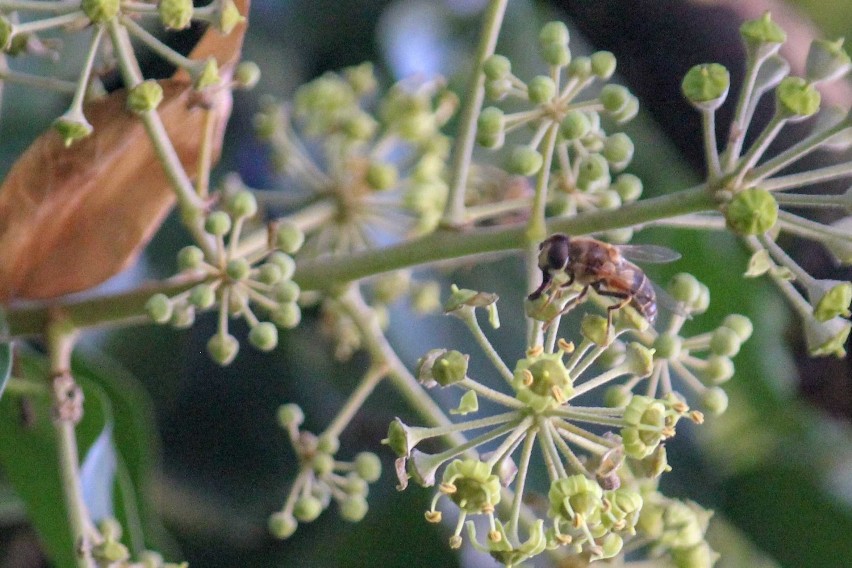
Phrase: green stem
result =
(523, 468)
(38, 82)
(83, 81)
(758, 148)
(809, 177)
(371, 378)
(48, 23)
(463, 148)
(843, 200)
(39, 6)
(711, 151)
(536, 228)
(739, 124)
(468, 315)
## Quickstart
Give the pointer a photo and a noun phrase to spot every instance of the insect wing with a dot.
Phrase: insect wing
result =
(648, 254)
(666, 302)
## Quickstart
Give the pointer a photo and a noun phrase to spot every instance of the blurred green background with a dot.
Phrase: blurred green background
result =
(777, 467)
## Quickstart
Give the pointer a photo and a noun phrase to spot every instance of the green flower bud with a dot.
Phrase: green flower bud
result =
(183, 315)
(684, 288)
(702, 302)
(307, 508)
(651, 415)
(593, 173)
(110, 529)
(575, 125)
(328, 444)
(243, 204)
(668, 346)
(469, 403)
(223, 348)
(369, 466)
(100, 11)
(381, 176)
(228, 17)
(286, 316)
(830, 298)
(490, 128)
(72, 126)
(282, 525)
(264, 336)
(175, 14)
(541, 89)
(554, 32)
(706, 86)
(762, 32)
(574, 496)
(286, 291)
(613, 355)
(542, 382)
(725, 341)
(159, 308)
(524, 161)
(740, 324)
(715, 401)
(353, 508)
(611, 545)
(639, 360)
(356, 485)
(426, 297)
(608, 199)
(290, 415)
(218, 223)
(629, 187)
(283, 261)
(449, 368)
(247, 75)
(190, 258)
(207, 75)
(617, 396)
(698, 556)
(497, 67)
(628, 112)
(399, 438)
(269, 273)
(361, 78)
(477, 490)
(595, 328)
(614, 98)
(497, 89)
(110, 551)
(719, 369)
(238, 269)
(289, 237)
(580, 68)
(752, 211)
(827, 338)
(796, 98)
(151, 559)
(603, 64)
(827, 60)
(618, 150)
(7, 31)
(360, 126)
(202, 296)
(556, 55)
(322, 464)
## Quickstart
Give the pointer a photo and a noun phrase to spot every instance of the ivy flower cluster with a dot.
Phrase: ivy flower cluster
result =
(321, 478)
(373, 166)
(235, 278)
(753, 190)
(602, 462)
(566, 128)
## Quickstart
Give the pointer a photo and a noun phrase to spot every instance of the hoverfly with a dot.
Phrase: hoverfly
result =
(603, 267)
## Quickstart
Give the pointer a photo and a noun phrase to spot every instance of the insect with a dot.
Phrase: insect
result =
(603, 267)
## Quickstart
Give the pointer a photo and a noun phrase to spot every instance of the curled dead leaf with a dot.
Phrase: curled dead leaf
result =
(70, 218)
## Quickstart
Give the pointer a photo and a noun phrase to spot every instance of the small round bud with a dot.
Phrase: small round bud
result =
(360, 126)
(580, 68)
(617, 396)
(286, 292)
(725, 341)
(243, 204)
(110, 552)
(175, 14)
(223, 348)
(629, 112)
(307, 508)
(6, 33)
(247, 75)
(612, 355)
(629, 187)
(490, 128)
(207, 75)
(450, 368)
(381, 176)
(289, 237)
(697, 556)
(611, 545)
(706, 86)
(595, 328)
(72, 127)
(740, 324)
(238, 269)
(322, 464)
(608, 199)
(497, 67)
(269, 273)
(575, 125)
(369, 466)
(228, 17)
(555, 32)
(827, 60)
(361, 78)
(183, 315)
(264, 336)
(796, 98)
(702, 302)
(426, 297)
(286, 316)
(618, 150)
(353, 508)
(283, 261)
(668, 346)
(190, 258)
(714, 400)
(290, 415)
(497, 89)
(159, 308)
(541, 89)
(719, 369)
(603, 64)
(282, 525)
(524, 161)
(752, 211)
(100, 11)
(145, 96)
(110, 529)
(328, 444)
(556, 55)
(593, 173)
(218, 223)
(151, 559)
(684, 288)
(639, 359)
(202, 296)
(614, 98)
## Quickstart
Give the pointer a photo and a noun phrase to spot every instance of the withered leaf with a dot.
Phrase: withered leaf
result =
(70, 218)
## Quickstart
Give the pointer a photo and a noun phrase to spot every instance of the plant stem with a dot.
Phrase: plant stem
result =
(523, 466)
(809, 177)
(371, 378)
(463, 148)
(711, 151)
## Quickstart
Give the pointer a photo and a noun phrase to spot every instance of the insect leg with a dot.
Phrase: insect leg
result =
(625, 299)
(546, 279)
(569, 305)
